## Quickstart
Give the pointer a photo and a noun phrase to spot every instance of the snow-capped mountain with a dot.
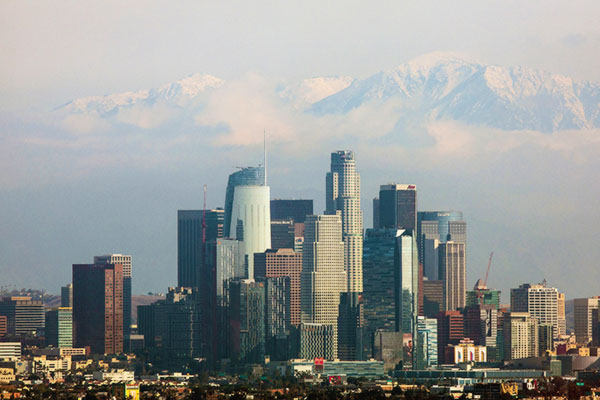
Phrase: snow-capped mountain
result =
(177, 93)
(448, 87)
(436, 85)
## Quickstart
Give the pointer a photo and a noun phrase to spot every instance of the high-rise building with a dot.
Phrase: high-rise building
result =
(387, 347)
(283, 234)
(246, 176)
(520, 335)
(350, 327)
(98, 307)
(247, 315)
(190, 242)
(124, 260)
(251, 221)
(406, 281)
(323, 277)
(277, 317)
(224, 262)
(3, 326)
(545, 339)
(398, 206)
(296, 210)
(66, 295)
(433, 298)
(453, 271)
(376, 216)
(539, 301)
(483, 295)
(426, 352)
(450, 331)
(584, 311)
(24, 316)
(433, 228)
(562, 320)
(59, 327)
(172, 328)
(279, 263)
(481, 326)
(378, 286)
(317, 341)
(342, 191)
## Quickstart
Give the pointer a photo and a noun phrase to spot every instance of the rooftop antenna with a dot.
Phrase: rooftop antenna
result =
(265, 153)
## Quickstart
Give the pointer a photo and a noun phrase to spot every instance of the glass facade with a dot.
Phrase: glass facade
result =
(245, 176)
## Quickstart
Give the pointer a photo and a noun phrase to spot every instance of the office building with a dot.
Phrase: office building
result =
(562, 320)
(350, 327)
(376, 216)
(225, 262)
(66, 295)
(426, 352)
(278, 263)
(296, 210)
(453, 271)
(125, 261)
(283, 234)
(520, 331)
(172, 328)
(483, 295)
(433, 228)
(343, 195)
(450, 331)
(545, 339)
(247, 316)
(192, 232)
(323, 277)
(539, 301)
(251, 222)
(3, 326)
(378, 281)
(24, 316)
(277, 317)
(481, 326)
(59, 327)
(248, 176)
(387, 347)
(433, 298)
(584, 309)
(406, 281)
(398, 207)
(98, 307)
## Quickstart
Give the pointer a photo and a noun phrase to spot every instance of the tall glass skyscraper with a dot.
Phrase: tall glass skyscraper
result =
(398, 206)
(246, 176)
(406, 281)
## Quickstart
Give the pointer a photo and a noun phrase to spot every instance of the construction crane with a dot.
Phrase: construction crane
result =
(479, 286)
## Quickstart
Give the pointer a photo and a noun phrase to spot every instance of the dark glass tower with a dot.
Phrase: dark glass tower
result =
(245, 176)
(398, 206)
(291, 209)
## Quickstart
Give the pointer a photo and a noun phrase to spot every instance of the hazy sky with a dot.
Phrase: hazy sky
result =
(66, 197)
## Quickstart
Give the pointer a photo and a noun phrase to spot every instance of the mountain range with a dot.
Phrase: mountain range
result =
(438, 85)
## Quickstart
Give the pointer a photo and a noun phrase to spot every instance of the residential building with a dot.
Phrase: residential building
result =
(318, 341)
(520, 331)
(278, 263)
(98, 307)
(278, 326)
(247, 316)
(540, 301)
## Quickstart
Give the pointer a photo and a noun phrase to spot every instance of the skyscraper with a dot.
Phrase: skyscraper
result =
(283, 234)
(343, 195)
(520, 336)
(323, 277)
(453, 271)
(277, 317)
(426, 352)
(247, 315)
(376, 213)
(24, 315)
(406, 281)
(66, 295)
(450, 331)
(189, 242)
(98, 307)
(539, 301)
(584, 311)
(124, 260)
(245, 176)
(279, 263)
(297, 210)
(251, 221)
(398, 206)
